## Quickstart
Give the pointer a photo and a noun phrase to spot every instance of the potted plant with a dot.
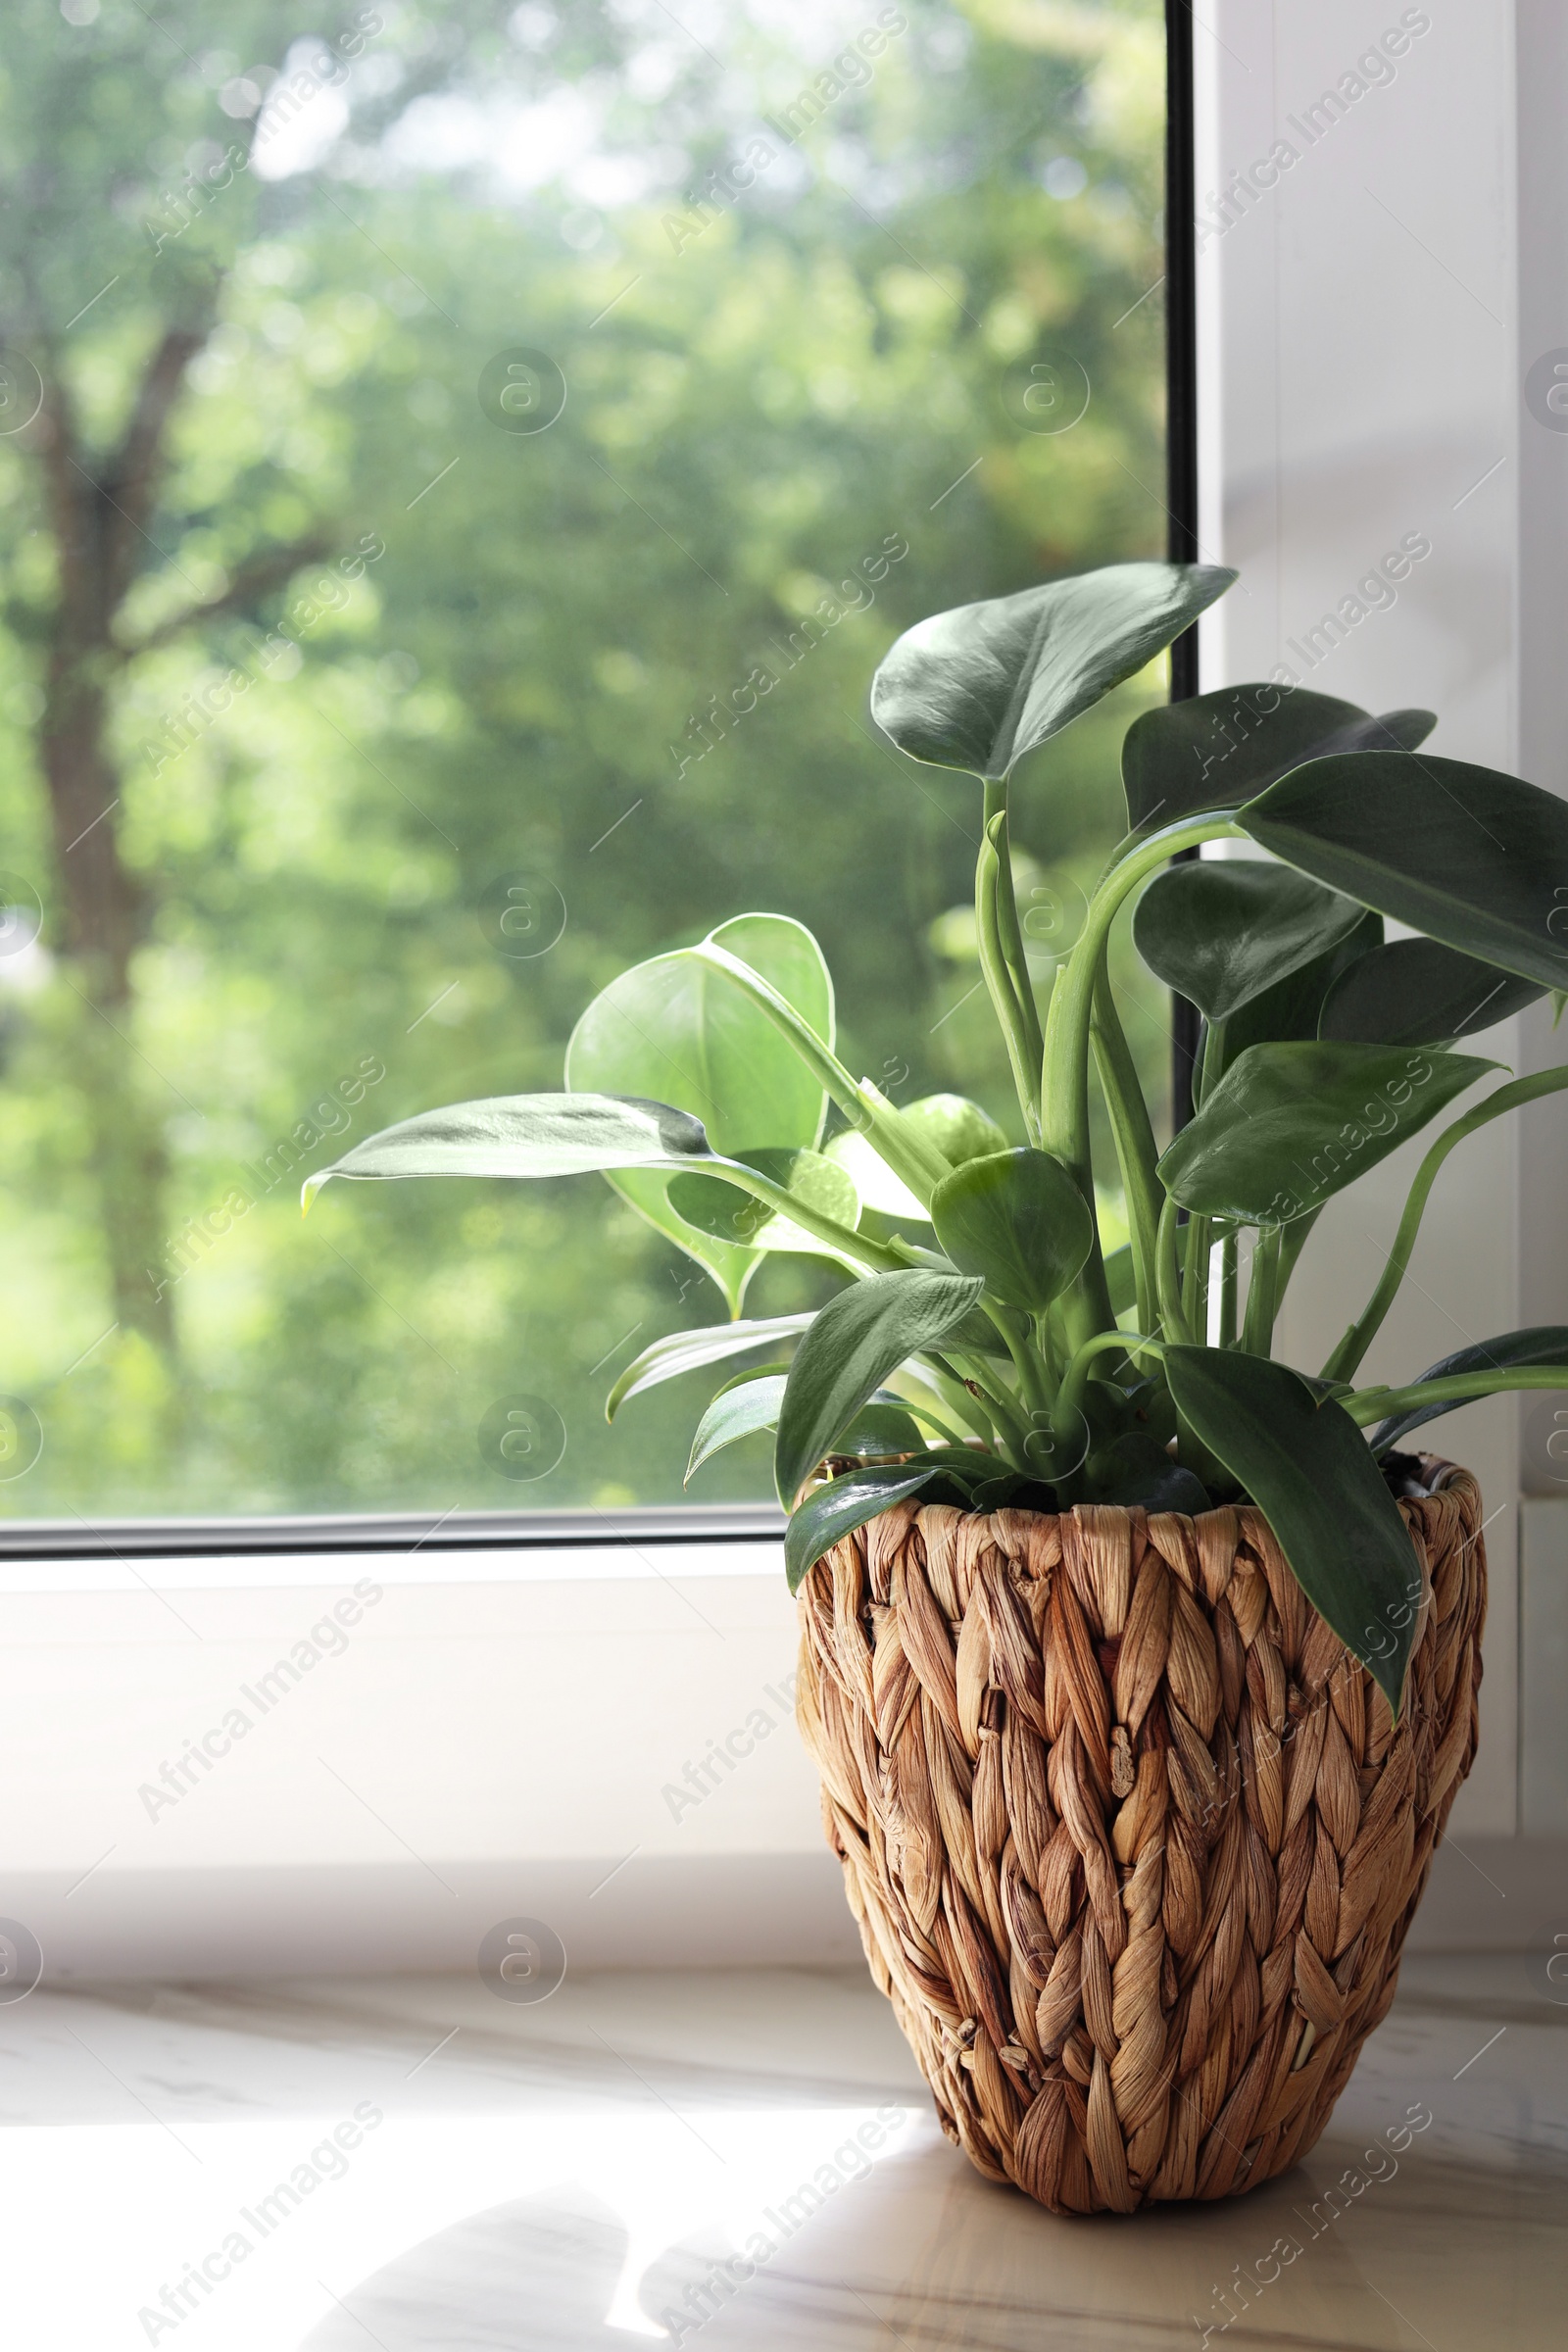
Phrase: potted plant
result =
(1140, 1667)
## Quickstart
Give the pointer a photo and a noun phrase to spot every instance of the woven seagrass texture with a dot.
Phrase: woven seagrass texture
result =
(1132, 1839)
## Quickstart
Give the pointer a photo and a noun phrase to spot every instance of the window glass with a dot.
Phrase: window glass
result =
(460, 472)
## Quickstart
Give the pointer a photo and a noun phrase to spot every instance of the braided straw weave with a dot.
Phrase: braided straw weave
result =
(1132, 1840)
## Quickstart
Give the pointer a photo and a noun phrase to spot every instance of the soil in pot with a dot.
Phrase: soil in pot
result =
(1133, 1841)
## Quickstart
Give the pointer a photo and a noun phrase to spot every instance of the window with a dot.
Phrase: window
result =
(460, 470)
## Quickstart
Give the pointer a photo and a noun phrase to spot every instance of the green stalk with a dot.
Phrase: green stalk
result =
(911, 1160)
(1293, 1243)
(1257, 1329)
(1018, 1030)
(1025, 1362)
(1195, 1274)
(1065, 1090)
(1169, 1279)
(1075, 1382)
(1229, 1254)
(1012, 947)
(1136, 1149)
(876, 1255)
(1383, 1404)
(1347, 1358)
(955, 1392)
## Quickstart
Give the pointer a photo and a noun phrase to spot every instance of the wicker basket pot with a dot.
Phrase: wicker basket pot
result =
(1132, 1839)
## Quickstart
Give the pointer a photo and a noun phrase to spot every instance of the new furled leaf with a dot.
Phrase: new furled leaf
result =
(1215, 750)
(1307, 1467)
(857, 1340)
(979, 687)
(1220, 931)
(1290, 1125)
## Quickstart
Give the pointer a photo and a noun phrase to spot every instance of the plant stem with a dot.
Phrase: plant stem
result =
(1075, 1382)
(1018, 1030)
(1229, 1254)
(1347, 1358)
(1195, 1274)
(1383, 1404)
(1026, 1363)
(876, 1255)
(1065, 1090)
(1257, 1329)
(1171, 1316)
(914, 1160)
(1010, 940)
(1136, 1149)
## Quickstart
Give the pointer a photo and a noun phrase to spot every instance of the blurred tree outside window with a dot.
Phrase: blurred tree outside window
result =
(459, 469)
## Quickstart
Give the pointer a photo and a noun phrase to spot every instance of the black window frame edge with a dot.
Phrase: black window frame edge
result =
(657, 1525)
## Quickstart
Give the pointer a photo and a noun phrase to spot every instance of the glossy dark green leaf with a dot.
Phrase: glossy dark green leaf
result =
(1289, 1125)
(1134, 1469)
(1216, 749)
(856, 1340)
(1017, 1220)
(1462, 854)
(844, 1504)
(979, 687)
(735, 1413)
(526, 1136)
(1291, 1009)
(883, 1426)
(675, 1025)
(1542, 1344)
(729, 1215)
(689, 1350)
(1221, 930)
(1416, 991)
(1308, 1469)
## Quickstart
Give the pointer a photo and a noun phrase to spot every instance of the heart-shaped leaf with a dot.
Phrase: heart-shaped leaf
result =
(689, 1350)
(856, 1340)
(526, 1135)
(1221, 930)
(1289, 1125)
(677, 1026)
(1290, 1009)
(1215, 750)
(1017, 1220)
(979, 687)
(1416, 991)
(1542, 1344)
(722, 1210)
(1308, 1469)
(958, 1128)
(1465, 855)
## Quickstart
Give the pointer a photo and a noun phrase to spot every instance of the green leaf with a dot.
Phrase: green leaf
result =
(844, 1504)
(689, 1350)
(525, 1135)
(1308, 1469)
(735, 1413)
(1222, 930)
(1215, 750)
(675, 1025)
(1542, 1344)
(979, 687)
(883, 1426)
(1019, 1220)
(958, 1128)
(1119, 1279)
(1465, 855)
(1289, 1125)
(1290, 1009)
(722, 1210)
(1416, 991)
(856, 1340)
